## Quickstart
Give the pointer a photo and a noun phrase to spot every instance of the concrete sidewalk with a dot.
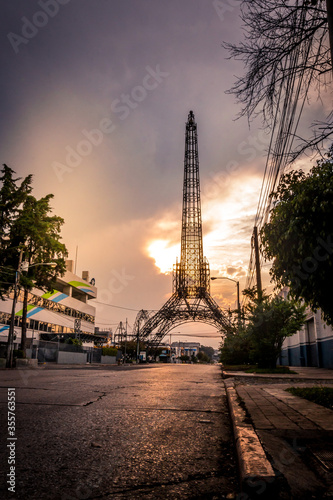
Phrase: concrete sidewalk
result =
(293, 436)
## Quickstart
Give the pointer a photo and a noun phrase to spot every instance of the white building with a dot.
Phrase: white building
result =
(64, 312)
(312, 345)
(184, 349)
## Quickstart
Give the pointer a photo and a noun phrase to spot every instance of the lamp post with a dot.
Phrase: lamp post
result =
(10, 343)
(22, 266)
(237, 284)
(25, 265)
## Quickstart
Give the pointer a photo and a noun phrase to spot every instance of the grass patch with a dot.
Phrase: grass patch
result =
(237, 368)
(255, 369)
(320, 395)
(278, 369)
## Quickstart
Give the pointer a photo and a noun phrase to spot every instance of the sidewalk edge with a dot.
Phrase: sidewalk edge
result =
(254, 467)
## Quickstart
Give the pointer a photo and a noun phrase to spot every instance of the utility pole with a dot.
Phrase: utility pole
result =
(256, 252)
(238, 304)
(77, 328)
(137, 345)
(9, 357)
(125, 340)
(329, 5)
(121, 333)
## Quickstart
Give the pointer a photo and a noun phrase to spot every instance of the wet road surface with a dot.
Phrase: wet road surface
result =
(157, 431)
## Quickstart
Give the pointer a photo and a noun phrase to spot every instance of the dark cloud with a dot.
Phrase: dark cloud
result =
(65, 81)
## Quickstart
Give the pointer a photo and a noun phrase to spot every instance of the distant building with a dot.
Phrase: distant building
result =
(106, 333)
(312, 345)
(216, 355)
(64, 312)
(184, 349)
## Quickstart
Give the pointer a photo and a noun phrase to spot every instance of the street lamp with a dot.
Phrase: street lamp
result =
(10, 343)
(237, 284)
(25, 265)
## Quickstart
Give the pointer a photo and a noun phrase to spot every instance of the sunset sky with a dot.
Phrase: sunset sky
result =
(94, 104)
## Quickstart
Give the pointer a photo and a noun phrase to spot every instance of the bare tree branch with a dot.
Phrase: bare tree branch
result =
(284, 40)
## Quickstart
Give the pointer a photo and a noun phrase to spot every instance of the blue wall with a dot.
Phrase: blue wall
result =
(319, 354)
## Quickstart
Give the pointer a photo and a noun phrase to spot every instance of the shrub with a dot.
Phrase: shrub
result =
(109, 351)
(236, 348)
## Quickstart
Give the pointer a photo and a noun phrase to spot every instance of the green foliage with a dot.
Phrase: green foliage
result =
(277, 369)
(299, 236)
(207, 350)
(269, 321)
(203, 357)
(319, 395)
(109, 351)
(255, 369)
(238, 368)
(28, 233)
(154, 351)
(72, 341)
(12, 196)
(184, 358)
(38, 233)
(236, 348)
(131, 347)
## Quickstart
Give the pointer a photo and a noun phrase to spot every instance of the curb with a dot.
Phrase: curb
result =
(274, 378)
(254, 467)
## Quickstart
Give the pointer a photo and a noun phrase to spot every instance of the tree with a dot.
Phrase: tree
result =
(236, 347)
(203, 357)
(271, 319)
(131, 348)
(298, 236)
(109, 351)
(75, 342)
(286, 52)
(38, 234)
(209, 351)
(12, 197)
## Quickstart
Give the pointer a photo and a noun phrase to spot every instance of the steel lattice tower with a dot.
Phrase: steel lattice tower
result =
(191, 299)
(191, 275)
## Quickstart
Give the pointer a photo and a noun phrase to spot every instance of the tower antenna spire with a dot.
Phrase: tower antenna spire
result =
(192, 273)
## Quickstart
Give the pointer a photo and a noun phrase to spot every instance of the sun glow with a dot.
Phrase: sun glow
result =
(163, 254)
(227, 225)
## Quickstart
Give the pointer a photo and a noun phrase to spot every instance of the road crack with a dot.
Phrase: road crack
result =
(158, 484)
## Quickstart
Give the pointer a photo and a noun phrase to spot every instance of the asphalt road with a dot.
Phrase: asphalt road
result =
(128, 432)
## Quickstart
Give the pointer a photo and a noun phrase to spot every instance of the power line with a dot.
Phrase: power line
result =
(278, 155)
(108, 324)
(119, 307)
(197, 335)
